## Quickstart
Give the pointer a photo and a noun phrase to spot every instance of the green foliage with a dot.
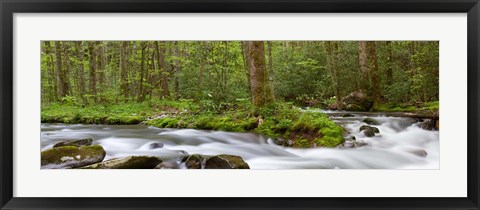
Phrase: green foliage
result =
(407, 107)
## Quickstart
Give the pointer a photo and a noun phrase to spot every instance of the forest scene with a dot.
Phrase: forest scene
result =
(239, 105)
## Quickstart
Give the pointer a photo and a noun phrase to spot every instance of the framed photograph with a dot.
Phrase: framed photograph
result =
(239, 105)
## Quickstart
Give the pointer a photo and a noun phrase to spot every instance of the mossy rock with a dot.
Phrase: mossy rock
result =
(366, 127)
(348, 115)
(194, 161)
(71, 156)
(226, 162)
(371, 121)
(75, 143)
(357, 101)
(131, 162)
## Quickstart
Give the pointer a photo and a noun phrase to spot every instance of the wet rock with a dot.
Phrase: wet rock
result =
(155, 145)
(429, 124)
(357, 101)
(366, 127)
(226, 162)
(350, 138)
(76, 143)
(347, 144)
(419, 152)
(360, 143)
(348, 115)
(353, 144)
(167, 165)
(283, 142)
(194, 161)
(371, 121)
(131, 162)
(368, 133)
(71, 156)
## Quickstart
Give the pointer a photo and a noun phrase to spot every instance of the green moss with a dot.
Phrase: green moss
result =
(396, 107)
(71, 156)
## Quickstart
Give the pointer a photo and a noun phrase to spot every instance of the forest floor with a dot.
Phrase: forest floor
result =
(284, 122)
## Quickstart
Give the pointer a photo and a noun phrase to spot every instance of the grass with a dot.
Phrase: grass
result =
(278, 120)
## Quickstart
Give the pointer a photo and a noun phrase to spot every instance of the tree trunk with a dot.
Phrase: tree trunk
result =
(270, 73)
(332, 56)
(62, 83)
(373, 67)
(245, 64)
(390, 63)
(93, 77)
(140, 95)
(176, 67)
(100, 68)
(362, 58)
(260, 89)
(81, 71)
(161, 49)
(203, 59)
(123, 70)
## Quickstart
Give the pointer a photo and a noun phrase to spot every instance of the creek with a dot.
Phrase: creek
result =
(401, 144)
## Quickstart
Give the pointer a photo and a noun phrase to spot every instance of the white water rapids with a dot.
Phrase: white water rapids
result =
(397, 146)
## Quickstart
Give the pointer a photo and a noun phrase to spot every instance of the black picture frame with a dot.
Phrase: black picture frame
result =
(9, 7)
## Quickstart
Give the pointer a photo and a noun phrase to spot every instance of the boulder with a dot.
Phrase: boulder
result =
(75, 143)
(371, 121)
(226, 162)
(194, 161)
(131, 162)
(357, 101)
(71, 156)
(366, 127)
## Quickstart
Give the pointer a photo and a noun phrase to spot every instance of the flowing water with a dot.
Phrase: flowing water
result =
(401, 144)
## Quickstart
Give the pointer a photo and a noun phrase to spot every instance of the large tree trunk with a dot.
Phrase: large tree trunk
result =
(93, 77)
(362, 58)
(332, 56)
(62, 82)
(123, 70)
(373, 67)
(81, 71)
(161, 49)
(260, 90)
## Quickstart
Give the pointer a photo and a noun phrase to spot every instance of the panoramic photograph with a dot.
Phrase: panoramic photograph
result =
(239, 104)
